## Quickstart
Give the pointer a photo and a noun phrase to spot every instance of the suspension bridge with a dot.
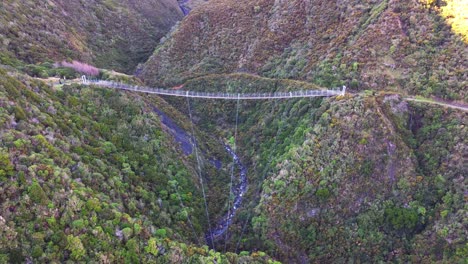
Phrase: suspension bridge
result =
(225, 96)
(221, 228)
(236, 191)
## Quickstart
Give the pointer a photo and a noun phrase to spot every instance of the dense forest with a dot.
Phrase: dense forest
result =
(91, 174)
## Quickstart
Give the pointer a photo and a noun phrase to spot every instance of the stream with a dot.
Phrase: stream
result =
(238, 190)
(239, 184)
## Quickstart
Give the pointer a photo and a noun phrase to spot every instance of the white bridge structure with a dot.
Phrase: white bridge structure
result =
(225, 96)
(236, 190)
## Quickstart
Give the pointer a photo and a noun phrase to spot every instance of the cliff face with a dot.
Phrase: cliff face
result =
(393, 45)
(109, 34)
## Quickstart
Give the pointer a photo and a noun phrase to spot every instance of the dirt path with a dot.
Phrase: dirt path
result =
(446, 104)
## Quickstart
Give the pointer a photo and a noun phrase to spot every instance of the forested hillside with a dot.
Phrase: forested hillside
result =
(110, 34)
(92, 174)
(366, 177)
(398, 45)
(381, 174)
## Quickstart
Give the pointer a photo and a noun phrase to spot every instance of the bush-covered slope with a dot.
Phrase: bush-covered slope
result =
(375, 179)
(89, 174)
(382, 45)
(366, 177)
(109, 34)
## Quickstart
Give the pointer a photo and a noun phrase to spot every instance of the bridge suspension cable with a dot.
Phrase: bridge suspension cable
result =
(225, 96)
(194, 144)
(232, 173)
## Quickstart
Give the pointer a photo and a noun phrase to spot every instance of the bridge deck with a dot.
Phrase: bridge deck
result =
(225, 96)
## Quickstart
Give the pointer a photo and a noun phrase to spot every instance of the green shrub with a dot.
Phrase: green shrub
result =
(67, 73)
(78, 224)
(8, 60)
(37, 251)
(161, 233)
(36, 71)
(279, 185)
(401, 218)
(152, 247)
(19, 113)
(367, 168)
(131, 254)
(127, 233)
(93, 204)
(37, 194)
(323, 193)
(6, 168)
(137, 228)
(76, 247)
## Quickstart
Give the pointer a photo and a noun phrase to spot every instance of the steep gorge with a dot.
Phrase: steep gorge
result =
(365, 177)
(372, 170)
(89, 174)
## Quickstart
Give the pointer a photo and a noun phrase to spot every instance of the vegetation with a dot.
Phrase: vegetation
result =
(347, 198)
(109, 34)
(355, 177)
(99, 175)
(454, 12)
(88, 175)
(401, 46)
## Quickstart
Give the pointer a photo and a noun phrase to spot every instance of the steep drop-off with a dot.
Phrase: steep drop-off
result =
(94, 175)
(361, 178)
(375, 179)
(367, 177)
(89, 174)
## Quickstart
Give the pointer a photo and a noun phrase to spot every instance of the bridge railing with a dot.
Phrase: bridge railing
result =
(232, 96)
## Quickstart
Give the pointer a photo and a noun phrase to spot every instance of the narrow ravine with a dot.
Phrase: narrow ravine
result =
(239, 183)
(238, 190)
